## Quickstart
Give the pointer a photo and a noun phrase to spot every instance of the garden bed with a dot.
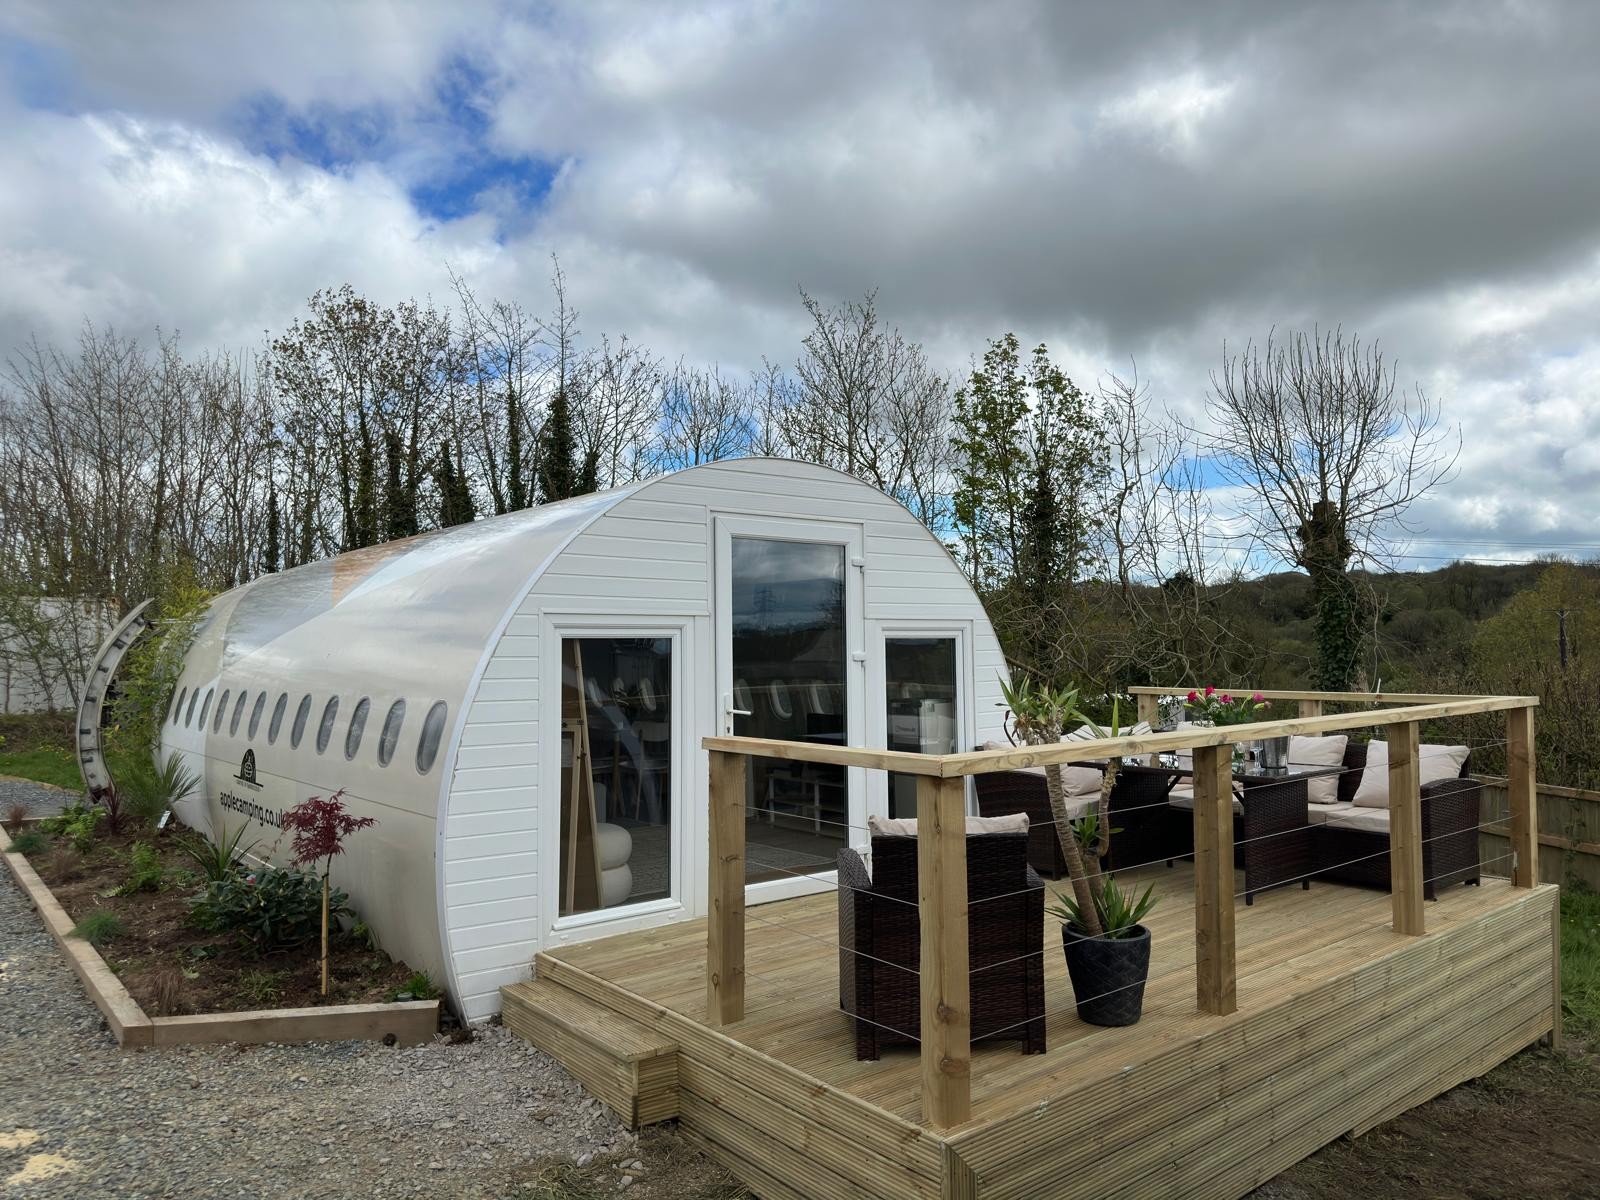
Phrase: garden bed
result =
(197, 985)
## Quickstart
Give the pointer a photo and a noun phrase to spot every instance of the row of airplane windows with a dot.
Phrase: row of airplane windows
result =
(388, 739)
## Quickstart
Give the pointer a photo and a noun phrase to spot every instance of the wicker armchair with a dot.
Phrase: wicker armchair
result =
(880, 942)
(1001, 793)
(1449, 834)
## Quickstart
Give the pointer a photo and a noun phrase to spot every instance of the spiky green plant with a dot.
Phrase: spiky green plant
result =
(216, 860)
(99, 927)
(1117, 912)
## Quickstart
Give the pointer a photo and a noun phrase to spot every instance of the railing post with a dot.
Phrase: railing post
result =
(1215, 981)
(945, 978)
(1522, 792)
(1311, 708)
(725, 918)
(1149, 712)
(1405, 829)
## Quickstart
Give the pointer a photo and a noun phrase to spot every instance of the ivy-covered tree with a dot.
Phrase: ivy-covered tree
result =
(399, 495)
(456, 506)
(1329, 455)
(272, 553)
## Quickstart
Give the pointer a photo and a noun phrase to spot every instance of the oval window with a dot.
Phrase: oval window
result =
(301, 714)
(188, 716)
(330, 714)
(432, 731)
(222, 709)
(205, 707)
(255, 716)
(390, 737)
(177, 709)
(238, 712)
(358, 726)
(278, 709)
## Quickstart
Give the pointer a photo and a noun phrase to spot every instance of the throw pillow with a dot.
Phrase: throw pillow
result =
(907, 826)
(1319, 752)
(1433, 763)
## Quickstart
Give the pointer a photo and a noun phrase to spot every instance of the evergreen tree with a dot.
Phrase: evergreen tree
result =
(455, 496)
(399, 501)
(273, 555)
(558, 476)
(516, 482)
(364, 509)
(589, 477)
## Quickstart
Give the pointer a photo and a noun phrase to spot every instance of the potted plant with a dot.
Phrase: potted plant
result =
(1227, 709)
(1106, 946)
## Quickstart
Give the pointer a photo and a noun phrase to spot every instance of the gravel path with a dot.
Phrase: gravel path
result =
(81, 1119)
(35, 797)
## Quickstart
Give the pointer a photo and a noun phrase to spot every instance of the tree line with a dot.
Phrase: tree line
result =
(133, 467)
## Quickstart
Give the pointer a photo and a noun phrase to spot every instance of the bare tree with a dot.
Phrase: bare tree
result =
(1330, 455)
(703, 418)
(868, 402)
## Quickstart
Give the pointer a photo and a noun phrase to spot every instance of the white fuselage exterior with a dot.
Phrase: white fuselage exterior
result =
(460, 875)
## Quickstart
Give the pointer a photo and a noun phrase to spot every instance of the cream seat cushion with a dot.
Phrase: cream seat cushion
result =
(907, 826)
(1433, 763)
(1319, 752)
(1329, 814)
(1182, 796)
(1367, 820)
(1079, 781)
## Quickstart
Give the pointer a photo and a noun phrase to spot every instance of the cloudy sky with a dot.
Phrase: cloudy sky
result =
(1130, 182)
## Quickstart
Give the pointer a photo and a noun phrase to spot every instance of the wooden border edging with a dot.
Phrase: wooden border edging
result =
(412, 1022)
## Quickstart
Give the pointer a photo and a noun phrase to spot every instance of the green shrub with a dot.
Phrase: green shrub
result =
(145, 870)
(419, 987)
(267, 909)
(149, 790)
(76, 824)
(30, 842)
(99, 927)
(260, 988)
(217, 861)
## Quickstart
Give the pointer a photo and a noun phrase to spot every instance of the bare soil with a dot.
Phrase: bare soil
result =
(1530, 1127)
(172, 967)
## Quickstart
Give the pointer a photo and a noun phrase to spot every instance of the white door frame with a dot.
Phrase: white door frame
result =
(878, 635)
(800, 529)
(687, 812)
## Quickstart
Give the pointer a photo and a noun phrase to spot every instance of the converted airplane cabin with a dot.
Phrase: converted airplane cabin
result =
(520, 703)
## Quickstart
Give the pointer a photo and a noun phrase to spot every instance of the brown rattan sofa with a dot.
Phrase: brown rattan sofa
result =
(880, 942)
(1361, 855)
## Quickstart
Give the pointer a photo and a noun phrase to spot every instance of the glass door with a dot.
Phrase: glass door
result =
(922, 712)
(789, 668)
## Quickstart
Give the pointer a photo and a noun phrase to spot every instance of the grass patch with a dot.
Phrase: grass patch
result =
(419, 987)
(30, 842)
(54, 764)
(1580, 963)
(98, 928)
(46, 764)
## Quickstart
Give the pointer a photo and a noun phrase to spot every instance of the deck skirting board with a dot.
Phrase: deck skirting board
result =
(1344, 1028)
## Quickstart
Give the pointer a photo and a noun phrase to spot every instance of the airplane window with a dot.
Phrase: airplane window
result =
(276, 723)
(390, 737)
(255, 716)
(222, 707)
(188, 717)
(358, 726)
(205, 707)
(300, 715)
(432, 731)
(177, 709)
(330, 713)
(238, 711)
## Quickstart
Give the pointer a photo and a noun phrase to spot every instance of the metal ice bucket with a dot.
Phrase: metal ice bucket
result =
(1272, 754)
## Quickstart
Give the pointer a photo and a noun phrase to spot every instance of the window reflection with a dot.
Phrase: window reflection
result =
(616, 772)
(920, 692)
(789, 681)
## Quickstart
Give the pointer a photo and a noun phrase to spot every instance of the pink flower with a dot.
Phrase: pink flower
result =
(1227, 699)
(1192, 697)
(1259, 698)
(250, 879)
(1210, 690)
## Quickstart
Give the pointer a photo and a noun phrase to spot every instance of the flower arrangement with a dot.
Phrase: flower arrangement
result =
(1225, 709)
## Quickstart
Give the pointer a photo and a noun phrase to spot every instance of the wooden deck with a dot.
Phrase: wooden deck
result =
(1341, 1024)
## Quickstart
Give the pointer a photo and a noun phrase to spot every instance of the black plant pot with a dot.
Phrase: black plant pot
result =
(1108, 974)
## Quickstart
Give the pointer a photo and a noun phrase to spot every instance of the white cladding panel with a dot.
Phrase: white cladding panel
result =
(650, 560)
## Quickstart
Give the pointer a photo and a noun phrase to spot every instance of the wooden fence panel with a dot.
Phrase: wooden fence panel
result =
(1568, 832)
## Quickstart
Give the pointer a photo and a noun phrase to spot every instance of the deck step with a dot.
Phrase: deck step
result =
(632, 1070)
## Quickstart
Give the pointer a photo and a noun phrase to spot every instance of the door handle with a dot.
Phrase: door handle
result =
(727, 706)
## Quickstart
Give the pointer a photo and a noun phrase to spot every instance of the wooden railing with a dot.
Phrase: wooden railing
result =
(941, 853)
